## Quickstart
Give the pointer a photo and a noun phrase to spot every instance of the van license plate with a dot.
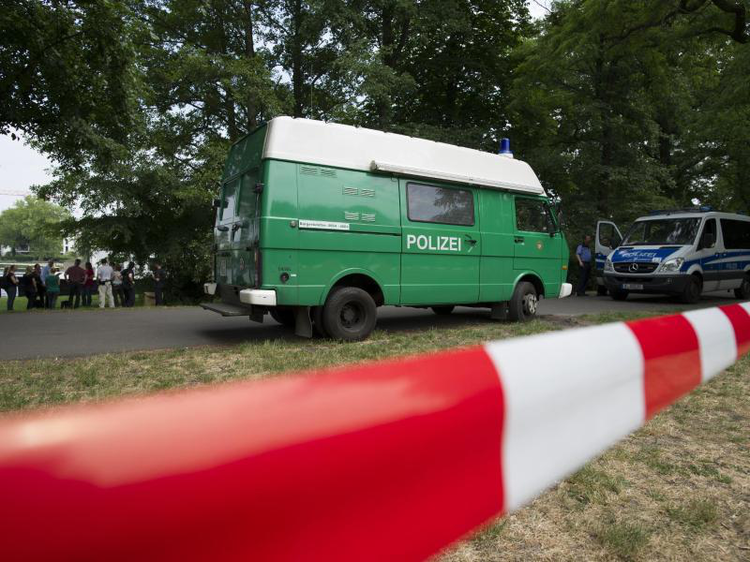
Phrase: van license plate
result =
(632, 287)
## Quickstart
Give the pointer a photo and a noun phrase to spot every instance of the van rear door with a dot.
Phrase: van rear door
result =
(440, 244)
(237, 231)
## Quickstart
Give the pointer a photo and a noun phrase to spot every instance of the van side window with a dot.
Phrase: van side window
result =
(532, 215)
(229, 199)
(427, 203)
(736, 234)
(708, 237)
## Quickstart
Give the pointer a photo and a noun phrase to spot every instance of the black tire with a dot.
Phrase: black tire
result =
(523, 304)
(691, 294)
(743, 293)
(284, 316)
(619, 295)
(349, 314)
(443, 310)
(317, 318)
(601, 290)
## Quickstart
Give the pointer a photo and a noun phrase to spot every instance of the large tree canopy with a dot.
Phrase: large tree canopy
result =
(619, 105)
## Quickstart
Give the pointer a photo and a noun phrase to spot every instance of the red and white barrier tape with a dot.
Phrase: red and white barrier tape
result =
(385, 461)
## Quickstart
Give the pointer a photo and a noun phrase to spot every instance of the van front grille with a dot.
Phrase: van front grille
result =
(635, 267)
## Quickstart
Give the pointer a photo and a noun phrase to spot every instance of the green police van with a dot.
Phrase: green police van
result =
(319, 224)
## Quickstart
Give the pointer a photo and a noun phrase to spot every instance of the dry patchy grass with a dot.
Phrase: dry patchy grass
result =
(678, 489)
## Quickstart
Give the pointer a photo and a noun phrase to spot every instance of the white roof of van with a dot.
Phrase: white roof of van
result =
(356, 148)
(694, 215)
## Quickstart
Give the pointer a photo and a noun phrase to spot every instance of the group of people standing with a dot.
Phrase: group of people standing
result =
(116, 285)
(41, 285)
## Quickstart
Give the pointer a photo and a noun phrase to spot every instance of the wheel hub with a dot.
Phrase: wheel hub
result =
(349, 315)
(529, 304)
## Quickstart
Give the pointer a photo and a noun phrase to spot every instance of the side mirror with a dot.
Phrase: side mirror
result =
(217, 203)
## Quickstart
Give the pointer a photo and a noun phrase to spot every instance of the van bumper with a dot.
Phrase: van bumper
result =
(655, 284)
(565, 290)
(258, 297)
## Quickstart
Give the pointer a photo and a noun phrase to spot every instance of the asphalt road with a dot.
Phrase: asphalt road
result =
(76, 333)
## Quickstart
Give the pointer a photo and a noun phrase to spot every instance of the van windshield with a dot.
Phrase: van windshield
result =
(659, 232)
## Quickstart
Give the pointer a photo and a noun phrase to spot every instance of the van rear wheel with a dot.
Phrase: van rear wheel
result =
(349, 314)
(523, 304)
(318, 326)
(442, 310)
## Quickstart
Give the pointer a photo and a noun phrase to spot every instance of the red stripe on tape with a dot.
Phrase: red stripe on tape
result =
(408, 460)
(740, 320)
(671, 356)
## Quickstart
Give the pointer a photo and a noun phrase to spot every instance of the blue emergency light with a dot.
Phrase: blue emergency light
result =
(505, 148)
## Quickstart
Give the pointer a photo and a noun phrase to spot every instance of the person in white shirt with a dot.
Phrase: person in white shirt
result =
(104, 276)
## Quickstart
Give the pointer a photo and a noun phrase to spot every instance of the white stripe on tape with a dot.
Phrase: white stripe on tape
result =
(568, 396)
(716, 340)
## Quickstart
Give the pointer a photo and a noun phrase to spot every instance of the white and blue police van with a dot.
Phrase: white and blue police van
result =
(685, 252)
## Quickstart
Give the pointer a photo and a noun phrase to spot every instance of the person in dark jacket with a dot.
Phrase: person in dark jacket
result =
(11, 285)
(28, 283)
(41, 290)
(159, 280)
(128, 284)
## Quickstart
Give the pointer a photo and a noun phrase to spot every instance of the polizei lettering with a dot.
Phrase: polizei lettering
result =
(435, 243)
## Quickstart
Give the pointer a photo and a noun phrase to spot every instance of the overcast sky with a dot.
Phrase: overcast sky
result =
(21, 166)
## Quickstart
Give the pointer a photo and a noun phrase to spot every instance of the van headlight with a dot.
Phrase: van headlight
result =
(672, 265)
(608, 265)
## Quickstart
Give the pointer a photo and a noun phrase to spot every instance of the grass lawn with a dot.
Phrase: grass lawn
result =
(677, 489)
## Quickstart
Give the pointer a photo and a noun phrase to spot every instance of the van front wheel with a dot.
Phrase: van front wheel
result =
(692, 292)
(349, 314)
(743, 293)
(523, 304)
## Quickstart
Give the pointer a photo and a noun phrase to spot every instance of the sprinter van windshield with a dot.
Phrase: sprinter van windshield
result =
(662, 232)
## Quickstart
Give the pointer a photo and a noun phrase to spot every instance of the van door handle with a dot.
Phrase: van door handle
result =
(470, 240)
(518, 239)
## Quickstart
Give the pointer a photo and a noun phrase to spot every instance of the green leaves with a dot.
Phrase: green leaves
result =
(35, 223)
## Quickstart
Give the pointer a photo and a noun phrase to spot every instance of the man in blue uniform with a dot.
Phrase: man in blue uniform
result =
(583, 255)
